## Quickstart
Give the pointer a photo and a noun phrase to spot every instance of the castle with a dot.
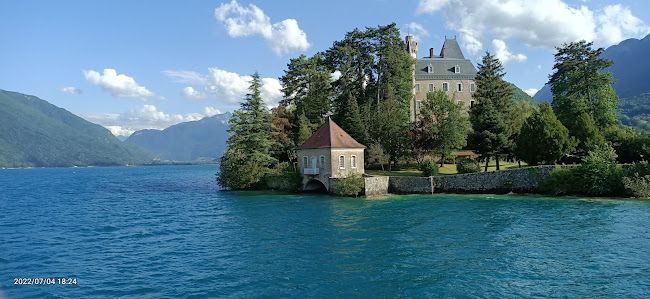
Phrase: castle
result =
(449, 71)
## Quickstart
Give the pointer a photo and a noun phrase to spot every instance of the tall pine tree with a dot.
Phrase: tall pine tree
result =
(249, 155)
(489, 117)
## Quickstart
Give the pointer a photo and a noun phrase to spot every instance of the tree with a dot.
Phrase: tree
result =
(579, 86)
(447, 124)
(585, 131)
(284, 149)
(489, 137)
(305, 129)
(248, 158)
(376, 155)
(392, 129)
(307, 86)
(489, 117)
(351, 122)
(543, 138)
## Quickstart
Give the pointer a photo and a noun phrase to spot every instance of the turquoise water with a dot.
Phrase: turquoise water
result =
(168, 232)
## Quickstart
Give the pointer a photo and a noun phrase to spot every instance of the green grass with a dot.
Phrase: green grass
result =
(412, 170)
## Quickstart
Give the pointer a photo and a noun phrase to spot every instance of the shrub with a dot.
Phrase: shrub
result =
(351, 185)
(284, 178)
(467, 165)
(429, 168)
(638, 186)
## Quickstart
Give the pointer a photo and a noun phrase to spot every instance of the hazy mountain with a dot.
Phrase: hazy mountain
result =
(631, 69)
(35, 133)
(520, 95)
(204, 139)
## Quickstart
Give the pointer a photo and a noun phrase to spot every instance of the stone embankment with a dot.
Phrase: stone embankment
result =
(520, 180)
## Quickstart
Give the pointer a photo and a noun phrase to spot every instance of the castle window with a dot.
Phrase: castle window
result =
(459, 87)
(445, 86)
(457, 69)
(341, 162)
(417, 87)
(471, 103)
(431, 87)
(430, 68)
(353, 161)
(472, 87)
(418, 105)
(305, 162)
(459, 102)
(322, 161)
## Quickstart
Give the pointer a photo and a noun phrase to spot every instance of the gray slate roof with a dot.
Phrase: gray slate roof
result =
(444, 68)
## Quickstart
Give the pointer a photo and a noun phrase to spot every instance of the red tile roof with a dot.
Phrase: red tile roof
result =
(330, 135)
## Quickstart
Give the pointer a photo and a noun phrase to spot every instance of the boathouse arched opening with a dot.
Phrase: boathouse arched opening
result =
(315, 186)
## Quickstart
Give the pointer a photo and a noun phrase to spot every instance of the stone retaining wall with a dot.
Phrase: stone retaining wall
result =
(377, 185)
(410, 185)
(521, 180)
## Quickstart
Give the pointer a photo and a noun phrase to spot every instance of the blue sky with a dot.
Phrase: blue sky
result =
(131, 65)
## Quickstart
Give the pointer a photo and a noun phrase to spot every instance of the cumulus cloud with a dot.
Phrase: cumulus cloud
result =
(538, 24)
(190, 93)
(229, 87)
(240, 21)
(336, 75)
(502, 52)
(70, 90)
(416, 30)
(144, 117)
(120, 85)
(210, 111)
(531, 91)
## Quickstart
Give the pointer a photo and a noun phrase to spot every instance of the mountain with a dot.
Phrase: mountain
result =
(520, 95)
(204, 139)
(35, 133)
(631, 69)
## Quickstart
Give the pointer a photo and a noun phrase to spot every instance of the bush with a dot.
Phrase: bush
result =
(284, 178)
(429, 168)
(467, 165)
(638, 186)
(351, 185)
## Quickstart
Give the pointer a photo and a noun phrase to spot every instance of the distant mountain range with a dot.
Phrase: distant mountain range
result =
(35, 133)
(204, 139)
(631, 69)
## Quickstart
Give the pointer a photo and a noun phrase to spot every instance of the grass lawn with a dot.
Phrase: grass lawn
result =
(411, 169)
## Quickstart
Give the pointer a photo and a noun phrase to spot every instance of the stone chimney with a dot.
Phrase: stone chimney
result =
(431, 52)
(442, 53)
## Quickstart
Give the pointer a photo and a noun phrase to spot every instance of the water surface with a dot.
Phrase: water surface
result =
(168, 232)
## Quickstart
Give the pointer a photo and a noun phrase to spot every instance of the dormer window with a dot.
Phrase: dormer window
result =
(457, 69)
(430, 68)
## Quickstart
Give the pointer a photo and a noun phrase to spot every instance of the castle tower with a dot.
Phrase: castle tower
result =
(411, 46)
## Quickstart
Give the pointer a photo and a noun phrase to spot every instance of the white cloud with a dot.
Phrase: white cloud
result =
(190, 93)
(336, 75)
(542, 23)
(229, 87)
(531, 91)
(502, 52)
(240, 21)
(120, 85)
(70, 90)
(144, 117)
(416, 30)
(210, 111)
(120, 131)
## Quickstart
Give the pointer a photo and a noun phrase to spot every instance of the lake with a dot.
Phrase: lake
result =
(167, 231)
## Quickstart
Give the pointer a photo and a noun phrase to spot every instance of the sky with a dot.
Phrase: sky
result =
(131, 65)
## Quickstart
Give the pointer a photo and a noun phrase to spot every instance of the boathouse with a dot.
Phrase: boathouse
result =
(329, 153)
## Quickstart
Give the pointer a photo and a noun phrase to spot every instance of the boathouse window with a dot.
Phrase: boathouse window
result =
(304, 162)
(472, 87)
(342, 162)
(459, 87)
(322, 161)
(431, 87)
(445, 86)
(417, 87)
(353, 161)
